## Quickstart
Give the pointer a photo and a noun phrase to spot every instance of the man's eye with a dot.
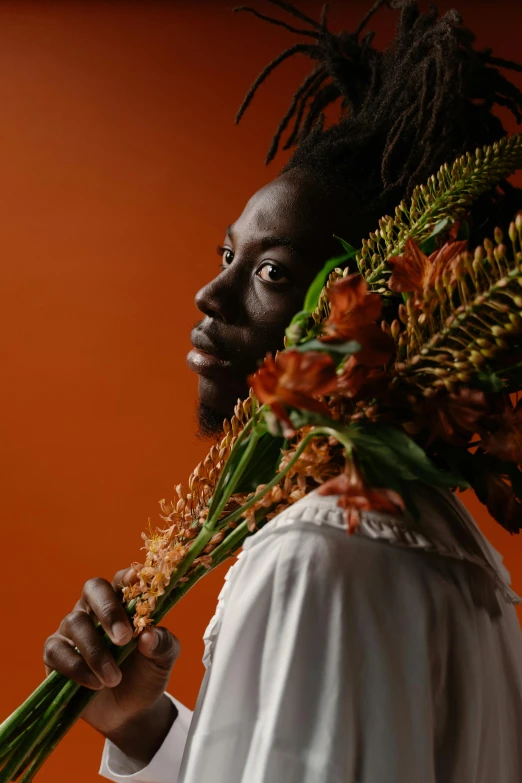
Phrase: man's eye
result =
(271, 273)
(227, 256)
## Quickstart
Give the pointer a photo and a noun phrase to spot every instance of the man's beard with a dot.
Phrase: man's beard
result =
(210, 422)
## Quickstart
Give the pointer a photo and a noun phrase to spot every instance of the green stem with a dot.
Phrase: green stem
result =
(224, 474)
(233, 482)
(7, 750)
(52, 685)
(317, 432)
(209, 528)
(39, 731)
(71, 714)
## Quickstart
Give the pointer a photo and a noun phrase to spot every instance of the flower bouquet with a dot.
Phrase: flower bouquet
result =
(400, 368)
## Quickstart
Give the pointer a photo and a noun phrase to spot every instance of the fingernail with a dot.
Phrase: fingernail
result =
(120, 631)
(93, 682)
(111, 673)
(154, 642)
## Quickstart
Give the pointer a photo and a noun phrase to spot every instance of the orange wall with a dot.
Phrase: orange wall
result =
(120, 167)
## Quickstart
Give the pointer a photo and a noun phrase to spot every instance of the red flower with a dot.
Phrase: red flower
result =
(356, 496)
(294, 379)
(358, 379)
(456, 417)
(506, 442)
(502, 503)
(416, 272)
(352, 317)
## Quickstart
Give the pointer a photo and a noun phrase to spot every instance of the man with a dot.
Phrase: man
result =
(329, 658)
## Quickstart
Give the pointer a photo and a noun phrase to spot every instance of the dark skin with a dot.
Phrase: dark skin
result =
(270, 256)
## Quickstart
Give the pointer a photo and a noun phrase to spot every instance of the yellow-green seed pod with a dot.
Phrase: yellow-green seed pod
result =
(477, 358)
(403, 314)
(512, 232)
(395, 329)
(478, 255)
(499, 236)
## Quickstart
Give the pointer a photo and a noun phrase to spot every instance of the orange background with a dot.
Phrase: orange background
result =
(120, 167)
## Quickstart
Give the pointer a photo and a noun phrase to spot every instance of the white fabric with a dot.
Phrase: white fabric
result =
(337, 659)
(117, 766)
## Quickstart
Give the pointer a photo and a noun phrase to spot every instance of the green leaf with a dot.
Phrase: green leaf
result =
(346, 349)
(375, 479)
(430, 243)
(489, 381)
(350, 249)
(397, 453)
(463, 232)
(263, 465)
(314, 291)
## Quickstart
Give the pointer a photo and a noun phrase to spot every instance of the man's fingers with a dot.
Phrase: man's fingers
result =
(99, 596)
(79, 629)
(60, 656)
(124, 578)
(160, 646)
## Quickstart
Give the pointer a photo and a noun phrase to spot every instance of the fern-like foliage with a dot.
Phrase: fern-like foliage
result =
(470, 327)
(447, 195)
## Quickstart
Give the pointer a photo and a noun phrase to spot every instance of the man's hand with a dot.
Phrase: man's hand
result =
(130, 709)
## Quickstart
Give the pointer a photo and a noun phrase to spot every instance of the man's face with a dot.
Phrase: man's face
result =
(270, 255)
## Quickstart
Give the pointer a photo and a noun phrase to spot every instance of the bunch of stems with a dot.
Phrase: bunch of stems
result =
(32, 732)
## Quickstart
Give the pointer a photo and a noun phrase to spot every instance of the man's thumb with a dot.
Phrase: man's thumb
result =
(160, 646)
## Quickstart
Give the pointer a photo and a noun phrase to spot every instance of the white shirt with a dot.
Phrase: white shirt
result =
(390, 656)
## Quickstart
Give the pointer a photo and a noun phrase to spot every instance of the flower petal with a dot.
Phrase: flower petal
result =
(409, 270)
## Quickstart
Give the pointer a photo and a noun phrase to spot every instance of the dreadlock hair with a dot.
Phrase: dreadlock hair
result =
(403, 112)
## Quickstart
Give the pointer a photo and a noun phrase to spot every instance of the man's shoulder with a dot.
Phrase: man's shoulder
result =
(443, 538)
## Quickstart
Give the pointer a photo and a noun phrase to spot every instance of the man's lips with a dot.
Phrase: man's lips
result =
(205, 363)
(204, 358)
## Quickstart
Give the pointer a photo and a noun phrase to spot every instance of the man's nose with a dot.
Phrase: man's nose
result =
(218, 299)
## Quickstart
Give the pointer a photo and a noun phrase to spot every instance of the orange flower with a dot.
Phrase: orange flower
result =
(415, 272)
(502, 502)
(294, 379)
(356, 496)
(506, 442)
(352, 317)
(456, 417)
(358, 379)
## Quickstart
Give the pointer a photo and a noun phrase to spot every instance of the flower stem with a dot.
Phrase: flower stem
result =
(316, 432)
(224, 474)
(209, 528)
(52, 685)
(39, 731)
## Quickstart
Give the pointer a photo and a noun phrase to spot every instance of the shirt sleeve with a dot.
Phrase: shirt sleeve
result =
(164, 766)
(326, 667)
